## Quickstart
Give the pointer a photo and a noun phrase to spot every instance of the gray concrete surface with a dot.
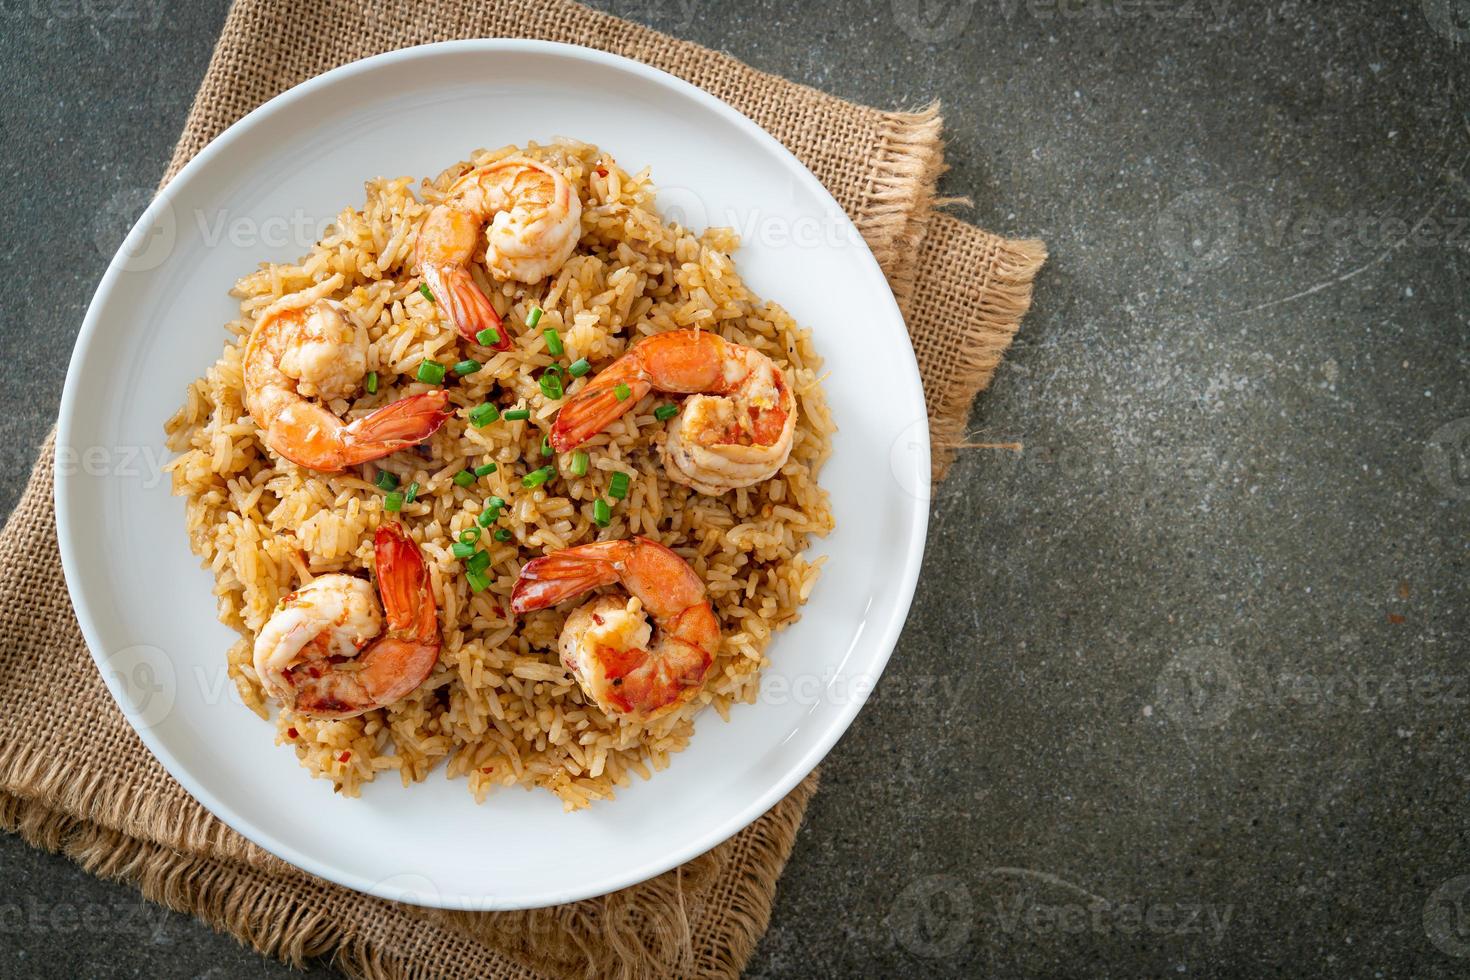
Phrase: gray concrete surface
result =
(1184, 686)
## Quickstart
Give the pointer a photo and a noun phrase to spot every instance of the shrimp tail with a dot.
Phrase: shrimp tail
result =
(403, 583)
(464, 304)
(596, 407)
(556, 577)
(395, 426)
(681, 361)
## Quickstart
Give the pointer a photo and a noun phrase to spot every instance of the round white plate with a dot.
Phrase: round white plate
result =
(263, 191)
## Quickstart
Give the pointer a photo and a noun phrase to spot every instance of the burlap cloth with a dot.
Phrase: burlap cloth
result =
(75, 779)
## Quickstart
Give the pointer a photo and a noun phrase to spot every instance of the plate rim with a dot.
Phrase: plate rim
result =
(71, 557)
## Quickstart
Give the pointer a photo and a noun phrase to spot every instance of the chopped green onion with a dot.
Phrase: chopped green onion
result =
(487, 516)
(488, 337)
(467, 366)
(462, 549)
(545, 445)
(386, 480)
(478, 580)
(497, 502)
(579, 367)
(464, 478)
(601, 513)
(372, 383)
(483, 414)
(424, 288)
(623, 392)
(502, 535)
(516, 414)
(537, 477)
(535, 317)
(617, 487)
(553, 342)
(551, 385)
(430, 372)
(469, 535)
(413, 492)
(393, 503)
(485, 469)
(478, 562)
(665, 412)
(579, 463)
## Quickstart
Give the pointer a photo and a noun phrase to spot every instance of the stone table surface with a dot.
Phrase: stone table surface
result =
(1184, 686)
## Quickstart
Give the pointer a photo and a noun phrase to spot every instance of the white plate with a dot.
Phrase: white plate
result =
(261, 192)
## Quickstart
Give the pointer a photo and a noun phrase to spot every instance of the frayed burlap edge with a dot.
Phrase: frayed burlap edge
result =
(899, 206)
(1004, 289)
(250, 904)
(215, 891)
(36, 778)
(899, 199)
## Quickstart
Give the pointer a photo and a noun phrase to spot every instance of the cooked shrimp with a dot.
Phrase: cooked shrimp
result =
(535, 219)
(324, 653)
(606, 642)
(293, 355)
(735, 431)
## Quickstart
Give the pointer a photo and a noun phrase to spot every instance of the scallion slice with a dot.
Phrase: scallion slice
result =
(502, 535)
(393, 503)
(467, 366)
(386, 481)
(665, 412)
(623, 392)
(551, 385)
(535, 316)
(537, 477)
(579, 367)
(464, 478)
(413, 493)
(478, 562)
(516, 414)
(485, 469)
(483, 414)
(617, 487)
(430, 372)
(579, 463)
(553, 342)
(488, 337)
(478, 580)
(469, 535)
(601, 513)
(424, 288)
(462, 549)
(545, 445)
(372, 383)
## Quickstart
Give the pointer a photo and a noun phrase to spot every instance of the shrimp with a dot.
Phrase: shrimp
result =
(735, 431)
(535, 220)
(324, 653)
(295, 354)
(606, 642)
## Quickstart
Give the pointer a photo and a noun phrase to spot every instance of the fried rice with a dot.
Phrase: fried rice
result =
(499, 708)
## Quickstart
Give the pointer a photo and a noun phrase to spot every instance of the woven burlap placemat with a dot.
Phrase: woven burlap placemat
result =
(75, 778)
